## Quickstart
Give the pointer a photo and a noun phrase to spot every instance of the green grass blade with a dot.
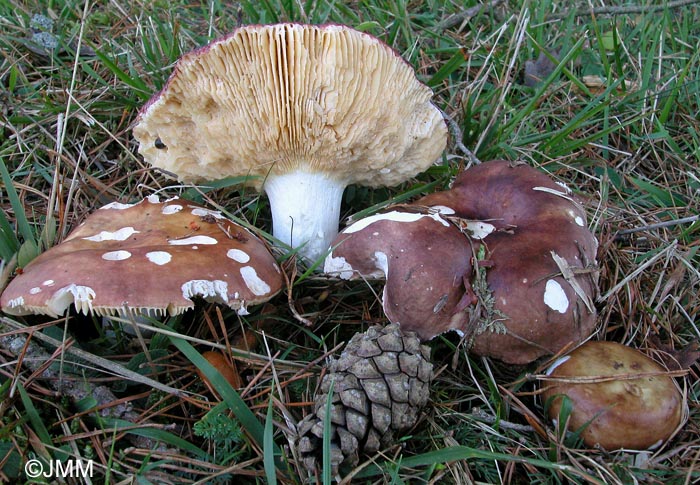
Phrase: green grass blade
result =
(155, 434)
(456, 453)
(269, 447)
(234, 401)
(22, 223)
(141, 88)
(9, 244)
(326, 450)
(37, 423)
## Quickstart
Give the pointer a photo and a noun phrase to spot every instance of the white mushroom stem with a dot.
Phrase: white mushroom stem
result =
(305, 210)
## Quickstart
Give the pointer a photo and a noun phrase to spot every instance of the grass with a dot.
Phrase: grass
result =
(629, 145)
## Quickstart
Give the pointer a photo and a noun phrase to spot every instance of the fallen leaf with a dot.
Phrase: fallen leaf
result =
(538, 70)
(676, 359)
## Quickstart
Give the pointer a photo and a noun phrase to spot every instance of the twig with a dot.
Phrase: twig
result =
(75, 387)
(291, 263)
(624, 9)
(657, 225)
(466, 15)
(671, 247)
(457, 136)
(117, 369)
(487, 418)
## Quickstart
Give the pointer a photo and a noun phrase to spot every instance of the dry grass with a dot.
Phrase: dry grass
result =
(631, 150)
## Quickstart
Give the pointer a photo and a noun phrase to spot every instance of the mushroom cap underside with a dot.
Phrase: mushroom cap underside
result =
(271, 99)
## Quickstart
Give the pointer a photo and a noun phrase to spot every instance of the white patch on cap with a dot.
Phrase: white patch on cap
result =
(119, 235)
(556, 364)
(119, 255)
(216, 290)
(193, 240)
(443, 209)
(159, 257)
(381, 262)
(555, 297)
(202, 212)
(480, 229)
(238, 255)
(154, 199)
(171, 209)
(117, 206)
(394, 216)
(338, 266)
(35, 290)
(80, 296)
(577, 219)
(48, 283)
(253, 281)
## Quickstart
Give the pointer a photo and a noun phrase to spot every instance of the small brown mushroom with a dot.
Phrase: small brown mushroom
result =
(623, 398)
(304, 111)
(425, 261)
(227, 368)
(151, 257)
(542, 273)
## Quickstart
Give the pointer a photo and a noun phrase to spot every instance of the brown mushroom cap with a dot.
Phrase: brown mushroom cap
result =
(638, 410)
(424, 259)
(542, 272)
(151, 257)
(305, 109)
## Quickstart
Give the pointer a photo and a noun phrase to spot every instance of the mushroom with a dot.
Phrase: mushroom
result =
(531, 292)
(302, 111)
(147, 258)
(539, 259)
(620, 397)
(425, 260)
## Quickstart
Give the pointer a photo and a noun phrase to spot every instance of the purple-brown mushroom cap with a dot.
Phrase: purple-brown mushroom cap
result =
(542, 272)
(424, 259)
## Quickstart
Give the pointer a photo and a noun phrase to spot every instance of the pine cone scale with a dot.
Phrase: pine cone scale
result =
(381, 381)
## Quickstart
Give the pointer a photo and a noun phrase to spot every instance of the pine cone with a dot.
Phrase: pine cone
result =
(381, 382)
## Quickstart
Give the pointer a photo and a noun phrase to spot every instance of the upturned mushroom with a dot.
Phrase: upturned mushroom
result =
(425, 261)
(620, 398)
(147, 258)
(303, 111)
(532, 288)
